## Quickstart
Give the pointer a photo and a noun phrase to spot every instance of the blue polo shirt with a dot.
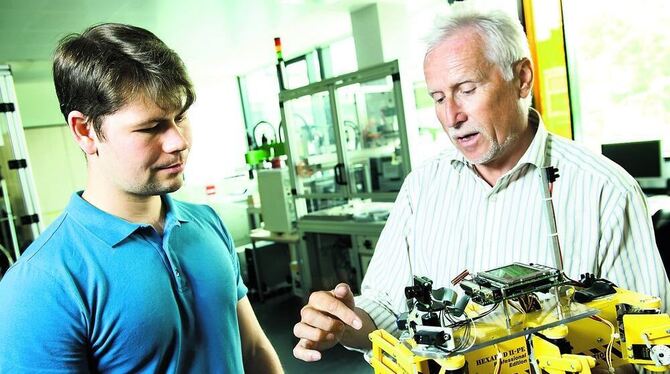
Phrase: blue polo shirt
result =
(97, 293)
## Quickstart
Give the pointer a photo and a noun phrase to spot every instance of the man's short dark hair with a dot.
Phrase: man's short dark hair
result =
(108, 65)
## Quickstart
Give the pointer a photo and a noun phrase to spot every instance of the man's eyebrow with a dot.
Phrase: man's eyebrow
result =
(151, 120)
(455, 85)
(465, 81)
(160, 118)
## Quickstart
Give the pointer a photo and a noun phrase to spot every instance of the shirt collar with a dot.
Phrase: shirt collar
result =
(174, 215)
(535, 154)
(112, 229)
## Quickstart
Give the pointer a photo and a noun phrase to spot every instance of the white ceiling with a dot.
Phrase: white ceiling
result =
(238, 33)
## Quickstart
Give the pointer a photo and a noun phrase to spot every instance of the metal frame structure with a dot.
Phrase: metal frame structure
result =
(330, 86)
(341, 159)
(19, 163)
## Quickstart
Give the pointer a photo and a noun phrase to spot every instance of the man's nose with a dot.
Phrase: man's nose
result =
(453, 113)
(176, 139)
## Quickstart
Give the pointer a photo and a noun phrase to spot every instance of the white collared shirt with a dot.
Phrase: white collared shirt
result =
(447, 219)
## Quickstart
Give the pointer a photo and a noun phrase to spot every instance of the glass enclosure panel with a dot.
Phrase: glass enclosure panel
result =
(314, 205)
(313, 144)
(371, 135)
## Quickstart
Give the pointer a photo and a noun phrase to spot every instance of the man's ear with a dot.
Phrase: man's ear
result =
(525, 74)
(83, 132)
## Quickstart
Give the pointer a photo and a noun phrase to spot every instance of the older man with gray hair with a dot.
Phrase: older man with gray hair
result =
(479, 205)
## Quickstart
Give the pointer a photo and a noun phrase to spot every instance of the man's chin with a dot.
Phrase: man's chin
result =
(172, 189)
(476, 159)
(174, 186)
(481, 158)
(153, 190)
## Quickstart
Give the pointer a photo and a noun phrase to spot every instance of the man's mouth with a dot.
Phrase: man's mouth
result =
(467, 139)
(176, 167)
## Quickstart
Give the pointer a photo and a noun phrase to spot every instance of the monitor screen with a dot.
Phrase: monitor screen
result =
(640, 159)
(515, 273)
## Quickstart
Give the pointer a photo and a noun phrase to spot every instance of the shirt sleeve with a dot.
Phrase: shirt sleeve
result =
(389, 272)
(630, 256)
(42, 329)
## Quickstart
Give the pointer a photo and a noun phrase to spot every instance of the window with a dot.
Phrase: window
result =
(618, 53)
(259, 90)
(340, 57)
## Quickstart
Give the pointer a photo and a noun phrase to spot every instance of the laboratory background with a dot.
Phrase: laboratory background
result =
(310, 114)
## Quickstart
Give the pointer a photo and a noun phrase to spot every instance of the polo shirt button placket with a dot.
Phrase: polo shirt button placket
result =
(180, 281)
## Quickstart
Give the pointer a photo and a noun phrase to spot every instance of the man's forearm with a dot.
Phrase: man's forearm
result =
(359, 338)
(263, 359)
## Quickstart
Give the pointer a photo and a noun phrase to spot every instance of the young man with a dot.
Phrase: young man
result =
(127, 279)
(479, 206)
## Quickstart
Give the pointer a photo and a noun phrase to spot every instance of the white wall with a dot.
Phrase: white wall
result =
(58, 166)
(36, 94)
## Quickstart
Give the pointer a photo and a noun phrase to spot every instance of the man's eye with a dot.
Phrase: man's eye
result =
(439, 100)
(469, 90)
(180, 118)
(151, 128)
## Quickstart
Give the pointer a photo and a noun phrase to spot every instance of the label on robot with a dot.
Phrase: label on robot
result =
(512, 356)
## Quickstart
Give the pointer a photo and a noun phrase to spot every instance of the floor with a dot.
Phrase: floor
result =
(277, 317)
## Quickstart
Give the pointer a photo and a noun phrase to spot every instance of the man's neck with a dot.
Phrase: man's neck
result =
(130, 207)
(492, 171)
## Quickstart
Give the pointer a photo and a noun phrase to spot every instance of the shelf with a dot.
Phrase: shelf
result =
(262, 234)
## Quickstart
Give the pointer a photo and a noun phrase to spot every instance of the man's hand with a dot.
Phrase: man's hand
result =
(323, 321)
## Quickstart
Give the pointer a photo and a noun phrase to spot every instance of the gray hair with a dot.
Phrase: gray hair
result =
(504, 38)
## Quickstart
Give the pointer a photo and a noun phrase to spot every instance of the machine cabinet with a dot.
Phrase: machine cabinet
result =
(346, 136)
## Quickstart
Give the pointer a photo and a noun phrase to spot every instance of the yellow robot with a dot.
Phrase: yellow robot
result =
(524, 318)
